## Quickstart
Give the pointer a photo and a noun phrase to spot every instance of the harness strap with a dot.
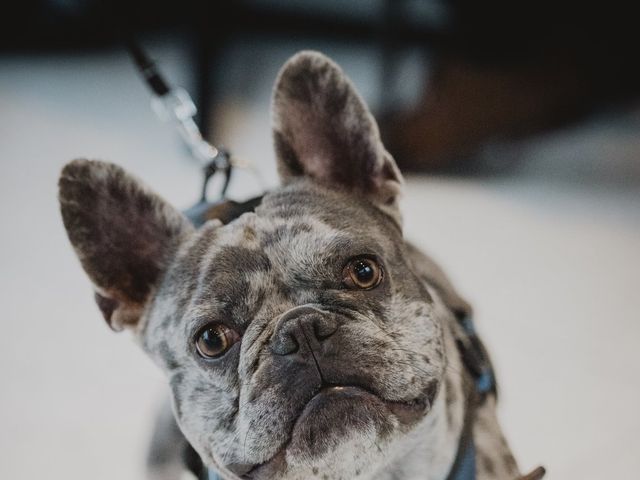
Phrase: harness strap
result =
(225, 211)
(476, 359)
(479, 384)
(464, 465)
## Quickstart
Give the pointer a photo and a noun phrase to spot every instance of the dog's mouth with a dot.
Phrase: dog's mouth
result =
(338, 407)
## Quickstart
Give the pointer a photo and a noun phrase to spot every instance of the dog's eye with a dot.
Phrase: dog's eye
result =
(215, 340)
(363, 273)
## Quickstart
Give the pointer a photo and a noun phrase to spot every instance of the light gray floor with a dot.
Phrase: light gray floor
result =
(552, 267)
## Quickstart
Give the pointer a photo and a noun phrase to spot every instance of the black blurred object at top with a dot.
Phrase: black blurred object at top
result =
(494, 31)
(498, 68)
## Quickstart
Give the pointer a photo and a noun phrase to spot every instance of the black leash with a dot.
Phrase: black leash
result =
(175, 104)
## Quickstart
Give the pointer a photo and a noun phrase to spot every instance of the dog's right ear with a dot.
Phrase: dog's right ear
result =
(324, 131)
(124, 235)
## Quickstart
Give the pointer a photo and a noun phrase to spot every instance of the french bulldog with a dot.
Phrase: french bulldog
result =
(306, 339)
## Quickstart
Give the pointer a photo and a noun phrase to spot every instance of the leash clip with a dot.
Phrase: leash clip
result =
(221, 162)
(176, 105)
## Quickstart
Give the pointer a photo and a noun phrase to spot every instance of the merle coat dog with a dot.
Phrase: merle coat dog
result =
(306, 339)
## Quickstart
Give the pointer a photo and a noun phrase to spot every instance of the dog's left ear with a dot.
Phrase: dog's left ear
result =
(124, 235)
(323, 130)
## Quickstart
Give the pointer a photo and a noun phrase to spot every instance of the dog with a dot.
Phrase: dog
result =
(306, 339)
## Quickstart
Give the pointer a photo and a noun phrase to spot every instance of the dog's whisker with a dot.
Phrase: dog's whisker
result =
(244, 444)
(230, 446)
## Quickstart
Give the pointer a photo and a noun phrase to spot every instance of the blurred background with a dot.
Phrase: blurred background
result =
(517, 127)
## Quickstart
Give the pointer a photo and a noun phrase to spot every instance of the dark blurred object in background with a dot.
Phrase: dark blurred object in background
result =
(497, 69)
(508, 69)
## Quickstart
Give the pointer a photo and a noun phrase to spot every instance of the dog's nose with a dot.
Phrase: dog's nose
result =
(302, 326)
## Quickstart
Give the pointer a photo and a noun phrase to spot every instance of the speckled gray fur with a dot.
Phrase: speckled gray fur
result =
(164, 280)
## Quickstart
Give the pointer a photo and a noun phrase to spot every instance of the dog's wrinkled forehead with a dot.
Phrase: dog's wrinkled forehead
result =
(297, 240)
(339, 211)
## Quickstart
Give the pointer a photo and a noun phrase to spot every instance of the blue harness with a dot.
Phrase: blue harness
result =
(466, 469)
(475, 358)
(212, 475)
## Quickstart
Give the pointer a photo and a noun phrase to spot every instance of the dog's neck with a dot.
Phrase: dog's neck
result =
(429, 451)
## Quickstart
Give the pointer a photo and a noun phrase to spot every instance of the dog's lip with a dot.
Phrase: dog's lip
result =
(407, 413)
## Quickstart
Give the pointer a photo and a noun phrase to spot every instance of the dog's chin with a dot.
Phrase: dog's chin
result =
(336, 420)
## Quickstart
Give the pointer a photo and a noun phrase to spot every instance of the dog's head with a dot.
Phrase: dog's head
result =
(298, 340)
